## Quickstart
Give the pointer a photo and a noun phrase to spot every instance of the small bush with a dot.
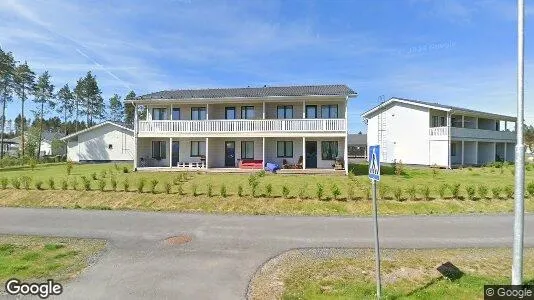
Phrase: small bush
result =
(261, 173)
(367, 192)
(351, 195)
(26, 181)
(210, 189)
(302, 192)
(336, 192)
(74, 183)
(496, 192)
(253, 183)
(269, 190)
(397, 193)
(103, 174)
(442, 190)
(4, 182)
(435, 172)
(180, 189)
(93, 176)
(116, 166)
(64, 184)
(153, 184)
(285, 191)
(33, 163)
(319, 191)
(86, 183)
(176, 180)
(141, 184)
(51, 183)
(240, 190)
(15, 182)
(167, 185)
(194, 189)
(69, 166)
(113, 182)
(471, 192)
(509, 191)
(125, 185)
(223, 191)
(483, 191)
(125, 169)
(455, 191)
(412, 192)
(398, 168)
(383, 191)
(101, 184)
(425, 192)
(530, 188)
(38, 184)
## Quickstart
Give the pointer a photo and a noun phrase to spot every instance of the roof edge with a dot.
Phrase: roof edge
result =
(94, 127)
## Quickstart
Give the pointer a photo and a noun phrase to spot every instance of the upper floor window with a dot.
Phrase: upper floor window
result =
(284, 112)
(438, 121)
(247, 112)
(329, 111)
(311, 111)
(198, 113)
(176, 113)
(159, 114)
(229, 113)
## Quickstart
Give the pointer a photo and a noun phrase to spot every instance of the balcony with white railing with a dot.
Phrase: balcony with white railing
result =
(440, 133)
(241, 126)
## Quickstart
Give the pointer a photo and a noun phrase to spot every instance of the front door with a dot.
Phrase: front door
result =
(175, 153)
(311, 154)
(229, 154)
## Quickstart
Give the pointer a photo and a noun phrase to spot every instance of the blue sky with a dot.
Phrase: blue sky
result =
(449, 51)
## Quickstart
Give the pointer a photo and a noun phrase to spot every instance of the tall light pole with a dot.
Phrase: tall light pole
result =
(517, 259)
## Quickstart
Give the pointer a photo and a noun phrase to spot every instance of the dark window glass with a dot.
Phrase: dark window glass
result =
(159, 150)
(284, 149)
(229, 113)
(247, 112)
(198, 113)
(175, 113)
(284, 111)
(198, 148)
(159, 114)
(329, 150)
(247, 150)
(329, 111)
(311, 111)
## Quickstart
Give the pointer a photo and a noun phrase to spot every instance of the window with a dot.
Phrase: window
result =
(159, 150)
(229, 113)
(247, 150)
(175, 113)
(284, 149)
(198, 148)
(453, 149)
(329, 150)
(110, 146)
(311, 111)
(284, 111)
(442, 121)
(198, 113)
(329, 111)
(438, 121)
(159, 114)
(247, 112)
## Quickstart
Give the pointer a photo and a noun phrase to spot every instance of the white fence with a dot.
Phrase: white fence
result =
(471, 133)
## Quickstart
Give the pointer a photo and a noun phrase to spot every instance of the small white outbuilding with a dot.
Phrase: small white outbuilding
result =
(105, 142)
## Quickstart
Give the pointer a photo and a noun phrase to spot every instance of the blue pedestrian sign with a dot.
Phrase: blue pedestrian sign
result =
(374, 162)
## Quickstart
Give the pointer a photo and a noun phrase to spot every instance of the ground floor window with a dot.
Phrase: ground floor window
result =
(453, 149)
(329, 150)
(159, 150)
(198, 148)
(284, 149)
(247, 150)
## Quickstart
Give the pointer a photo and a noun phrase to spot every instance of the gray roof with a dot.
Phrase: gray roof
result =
(47, 136)
(117, 124)
(254, 92)
(357, 139)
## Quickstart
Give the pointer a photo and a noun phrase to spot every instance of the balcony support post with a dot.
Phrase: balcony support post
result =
(463, 151)
(304, 109)
(170, 152)
(170, 113)
(263, 153)
(448, 140)
(505, 146)
(136, 130)
(476, 152)
(207, 111)
(263, 110)
(494, 152)
(463, 121)
(207, 152)
(303, 153)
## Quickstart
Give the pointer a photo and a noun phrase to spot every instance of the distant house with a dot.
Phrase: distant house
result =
(47, 148)
(423, 133)
(104, 142)
(357, 145)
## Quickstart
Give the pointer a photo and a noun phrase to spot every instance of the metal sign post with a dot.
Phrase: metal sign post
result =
(374, 175)
(517, 256)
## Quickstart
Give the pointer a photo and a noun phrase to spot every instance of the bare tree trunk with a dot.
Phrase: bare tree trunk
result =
(22, 123)
(3, 128)
(40, 131)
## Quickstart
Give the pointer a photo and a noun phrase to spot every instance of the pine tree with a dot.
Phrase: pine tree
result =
(7, 69)
(116, 111)
(129, 109)
(24, 80)
(93, 103)
(79, 99)
(44, 94)
(66, 104)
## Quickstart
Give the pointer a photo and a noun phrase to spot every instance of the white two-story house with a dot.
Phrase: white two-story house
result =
(301, 127)
(423, 133)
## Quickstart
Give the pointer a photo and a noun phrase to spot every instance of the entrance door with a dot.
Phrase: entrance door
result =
(175, 153)
(229, 154)
(311, 154)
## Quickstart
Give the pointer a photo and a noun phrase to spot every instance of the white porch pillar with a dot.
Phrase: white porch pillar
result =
(463, 149)
(263, 110)
(346, 154)
(170, 152)
(463, 121)
(136, 129)
(263, 153)
(494, 151)
(170, 113)
(148, 113)
(449, 140)
(505, 146)
(303, 153)
(304, 109)
(476, 152)
(207, 152)
(476, 123)
(207, 111)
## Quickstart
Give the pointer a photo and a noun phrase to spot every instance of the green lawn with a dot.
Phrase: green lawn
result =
(406, 274)
(416, 191)
(39, 258)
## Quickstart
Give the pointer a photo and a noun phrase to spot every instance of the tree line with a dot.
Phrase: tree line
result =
(19, 82)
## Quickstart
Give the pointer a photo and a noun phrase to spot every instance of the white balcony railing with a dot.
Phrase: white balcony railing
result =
(264, 125)
(473, 133)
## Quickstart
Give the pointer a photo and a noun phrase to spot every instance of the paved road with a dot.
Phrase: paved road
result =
(226, 250)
